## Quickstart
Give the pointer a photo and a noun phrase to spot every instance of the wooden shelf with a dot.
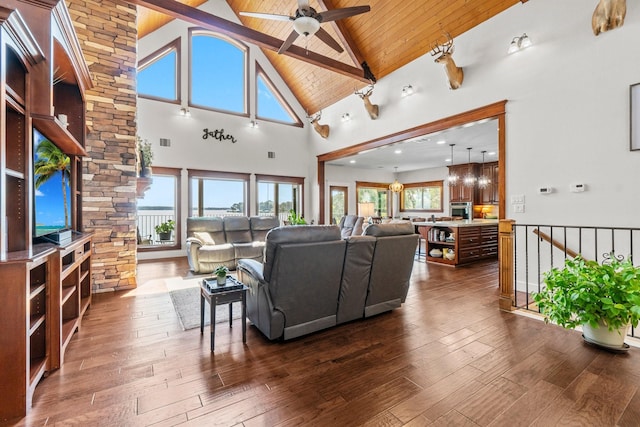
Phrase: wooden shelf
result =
(51, 127)
(67, 292)
(441, 260)
(14, 174)
(35, 290)
(84, 305)
(35, 321)
(68, 327)
(442, 243)
(37, 368)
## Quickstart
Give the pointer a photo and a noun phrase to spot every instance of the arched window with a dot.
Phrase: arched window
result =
(159, 74)
(271, 105)
(218, 72)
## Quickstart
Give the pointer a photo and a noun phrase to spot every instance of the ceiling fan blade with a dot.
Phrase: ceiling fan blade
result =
(328, 40)
(345, 12)
(289, 41)
(271, 16)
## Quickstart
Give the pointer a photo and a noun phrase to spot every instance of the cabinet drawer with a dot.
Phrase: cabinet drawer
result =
(469, 254)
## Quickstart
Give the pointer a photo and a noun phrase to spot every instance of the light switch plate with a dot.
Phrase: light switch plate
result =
(517, 199)
(518, 208)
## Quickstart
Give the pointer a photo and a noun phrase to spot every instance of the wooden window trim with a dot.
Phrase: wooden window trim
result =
(229, 176)
(260, 73)
(175, 172)
(198, 31)
(158, 54)
(425, 184)
(280, 179)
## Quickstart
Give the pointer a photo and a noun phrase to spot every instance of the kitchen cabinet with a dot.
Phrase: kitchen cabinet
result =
(490, 194)
(462, 243)
(460, 192)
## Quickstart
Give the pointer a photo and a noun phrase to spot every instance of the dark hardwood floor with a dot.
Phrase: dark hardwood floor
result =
(447, 357)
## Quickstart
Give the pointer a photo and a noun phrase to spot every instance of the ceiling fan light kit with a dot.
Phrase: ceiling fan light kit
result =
(306, 22)
(306, 26)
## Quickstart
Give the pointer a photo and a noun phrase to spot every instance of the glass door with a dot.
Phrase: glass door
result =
(339, 203)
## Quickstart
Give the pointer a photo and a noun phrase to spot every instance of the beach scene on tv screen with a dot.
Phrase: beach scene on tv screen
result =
(51, 173)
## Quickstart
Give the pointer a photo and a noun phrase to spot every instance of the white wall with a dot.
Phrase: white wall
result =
(567, 115)
(249, 154)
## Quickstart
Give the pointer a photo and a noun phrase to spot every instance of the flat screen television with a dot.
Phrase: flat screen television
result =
(52, 187)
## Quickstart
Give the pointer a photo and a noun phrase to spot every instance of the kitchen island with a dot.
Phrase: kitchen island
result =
(459, 242)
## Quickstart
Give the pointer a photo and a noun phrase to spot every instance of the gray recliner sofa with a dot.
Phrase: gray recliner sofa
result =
(215, 241)
(312, 278)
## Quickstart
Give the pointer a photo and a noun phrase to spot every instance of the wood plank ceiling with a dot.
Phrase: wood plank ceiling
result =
(392, 34)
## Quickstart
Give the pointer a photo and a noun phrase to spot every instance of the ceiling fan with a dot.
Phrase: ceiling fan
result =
(307, 22)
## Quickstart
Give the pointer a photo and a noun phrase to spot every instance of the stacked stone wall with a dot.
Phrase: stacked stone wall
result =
(108, 38)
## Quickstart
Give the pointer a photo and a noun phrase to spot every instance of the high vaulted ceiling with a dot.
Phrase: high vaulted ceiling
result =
(392, 34)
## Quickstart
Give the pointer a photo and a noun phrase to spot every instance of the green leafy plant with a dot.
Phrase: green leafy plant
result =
(295, 219)
(146, 155)
(221, 271)
(586, 292)
(165, 227)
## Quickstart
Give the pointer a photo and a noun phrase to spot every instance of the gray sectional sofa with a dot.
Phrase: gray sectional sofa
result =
(215, 241)
(312, 278)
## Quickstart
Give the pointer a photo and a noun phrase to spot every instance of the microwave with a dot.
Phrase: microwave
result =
(461, 209)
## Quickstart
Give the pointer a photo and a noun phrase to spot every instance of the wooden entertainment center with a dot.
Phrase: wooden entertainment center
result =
(46, 287)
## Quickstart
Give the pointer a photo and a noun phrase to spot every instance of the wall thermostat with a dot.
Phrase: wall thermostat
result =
(577, 188)
(545, 190)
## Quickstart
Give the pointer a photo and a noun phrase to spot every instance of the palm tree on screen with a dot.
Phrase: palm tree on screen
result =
(51, 160)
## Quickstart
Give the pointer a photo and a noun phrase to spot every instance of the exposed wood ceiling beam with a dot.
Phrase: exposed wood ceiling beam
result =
(240, 32)
(343, 34)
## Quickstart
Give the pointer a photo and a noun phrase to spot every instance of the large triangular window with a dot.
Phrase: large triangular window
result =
(270, 104)
(158, 73)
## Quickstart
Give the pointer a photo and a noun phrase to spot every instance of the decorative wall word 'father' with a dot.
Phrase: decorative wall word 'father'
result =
(218, 134)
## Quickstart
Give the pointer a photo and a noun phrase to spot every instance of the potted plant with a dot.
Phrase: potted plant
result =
(221, 274)
(603, 298)
(164, 230)
(295, 219)
(145, 157)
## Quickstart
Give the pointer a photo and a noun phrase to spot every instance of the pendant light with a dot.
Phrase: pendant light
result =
(483, 180)
(396, 187)
(452, 178)
(469, 179)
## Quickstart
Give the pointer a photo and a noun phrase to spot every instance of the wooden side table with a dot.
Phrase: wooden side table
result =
(230, 292)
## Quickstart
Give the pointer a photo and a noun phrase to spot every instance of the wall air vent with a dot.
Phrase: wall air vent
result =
(165, 142)
(271, 154)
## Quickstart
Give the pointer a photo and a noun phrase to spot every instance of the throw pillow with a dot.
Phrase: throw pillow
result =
(205, 237)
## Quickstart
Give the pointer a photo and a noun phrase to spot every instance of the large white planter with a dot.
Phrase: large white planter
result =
(603, 336)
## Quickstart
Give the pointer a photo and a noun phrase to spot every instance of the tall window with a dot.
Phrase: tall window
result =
(422, 196)
(218, 72)
(277, 195)
(158, 73)
(376, 193)
(218, 193)
(270, 104)
(160, 206)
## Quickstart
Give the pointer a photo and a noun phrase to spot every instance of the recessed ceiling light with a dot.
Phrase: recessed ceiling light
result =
(447, 160)
(440, 142)
(466, 125)
(398, 151)
(492, 153)
(352, 161)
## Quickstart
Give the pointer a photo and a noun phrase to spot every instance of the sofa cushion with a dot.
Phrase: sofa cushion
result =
(236, 229)
(390, 229)
(296, 234)
(260, 226)
(204, 237)
(351, 225)
(213, 225)
(217, 253)
(253, 250)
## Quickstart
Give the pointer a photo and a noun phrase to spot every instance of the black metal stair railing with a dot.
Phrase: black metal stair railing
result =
(539, 248)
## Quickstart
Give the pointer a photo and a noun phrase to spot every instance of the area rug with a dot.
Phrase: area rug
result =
(185, 295)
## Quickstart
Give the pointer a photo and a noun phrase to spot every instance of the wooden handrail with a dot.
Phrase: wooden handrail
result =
(557, 244)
